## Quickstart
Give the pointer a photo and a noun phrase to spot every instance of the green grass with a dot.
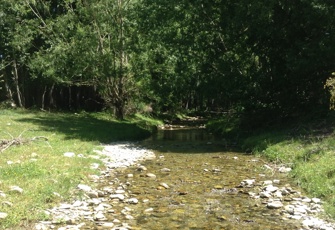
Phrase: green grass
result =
(39, 167)
(307, 145)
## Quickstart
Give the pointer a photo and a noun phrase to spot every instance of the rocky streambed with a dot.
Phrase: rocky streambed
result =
(178, 189)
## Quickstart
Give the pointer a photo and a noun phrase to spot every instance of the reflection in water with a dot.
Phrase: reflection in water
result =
(183, 134)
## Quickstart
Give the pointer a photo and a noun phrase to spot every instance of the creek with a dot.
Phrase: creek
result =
(196, 185)
(184, 178)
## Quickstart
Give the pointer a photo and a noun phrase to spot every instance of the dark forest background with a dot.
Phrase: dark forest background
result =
(269, 60)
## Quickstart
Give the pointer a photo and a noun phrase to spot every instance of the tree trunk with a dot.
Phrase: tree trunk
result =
(51, 98)
(43, 98)
(9, 92)
(16, 83)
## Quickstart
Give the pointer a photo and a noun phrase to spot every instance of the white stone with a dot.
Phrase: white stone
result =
(267, 182)
(316, 200)
(151, 175)
(264, 194)
(275, 205)
(284, 170)
(289, 209)
(278, 194)
(77, 203)
(7, 203)
(16, 189)
(99, 216)
(133, 201)
(107, 225)
(296, 217)
(149, 210)
(65, 206)
(165, 170)
(271, 188)
(84, 187)
(95, 166)
(165, 185)
(3, 215)
(306, 200)
(117, 196)
(276, 181)
(129, 217)
(92, 194)
(267, 167)
(69, 154)
(248, 182)
(116, 221)
(300, 210)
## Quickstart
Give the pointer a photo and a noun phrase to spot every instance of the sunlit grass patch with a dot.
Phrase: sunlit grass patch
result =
(35, 161)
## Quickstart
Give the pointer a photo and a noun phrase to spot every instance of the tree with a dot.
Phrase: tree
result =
(17, 35)
(90, 44)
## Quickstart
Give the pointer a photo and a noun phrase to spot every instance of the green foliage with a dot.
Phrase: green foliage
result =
(271, 61)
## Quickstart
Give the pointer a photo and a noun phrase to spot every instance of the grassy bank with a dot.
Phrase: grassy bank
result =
(307, 146)
(32, 147)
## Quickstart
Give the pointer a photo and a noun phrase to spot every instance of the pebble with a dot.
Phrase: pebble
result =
(165, 170)
(298, 208)
(133, 201)
(275, 205)
(165, 185)
(150, 175)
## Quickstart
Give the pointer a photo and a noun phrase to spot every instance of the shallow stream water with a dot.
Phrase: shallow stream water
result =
(197, 185)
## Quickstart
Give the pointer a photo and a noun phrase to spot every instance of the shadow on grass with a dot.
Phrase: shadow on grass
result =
(88, 127)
